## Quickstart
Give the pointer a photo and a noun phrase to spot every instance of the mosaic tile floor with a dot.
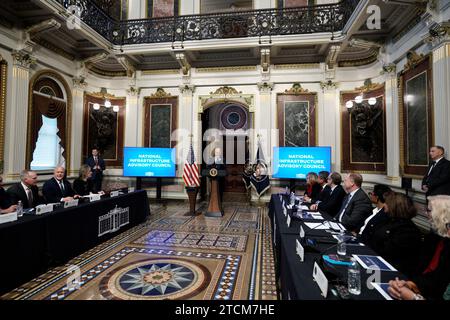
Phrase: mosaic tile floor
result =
(171, 256)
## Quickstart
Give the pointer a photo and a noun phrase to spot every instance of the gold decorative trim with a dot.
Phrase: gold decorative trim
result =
(369, 86)
(297, 66)
(413, 59)
(108, 73)
(51, 74)
(226, 69)
(358, 62)
(102, 94)
(225, 90)
(160, 93)
(296, 89)
(3, 80)
(161, 71)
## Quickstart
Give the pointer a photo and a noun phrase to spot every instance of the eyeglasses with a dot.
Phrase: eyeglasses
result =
(447, 225)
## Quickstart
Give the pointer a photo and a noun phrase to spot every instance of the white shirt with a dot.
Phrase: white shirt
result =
(366, 222)
(435, 163)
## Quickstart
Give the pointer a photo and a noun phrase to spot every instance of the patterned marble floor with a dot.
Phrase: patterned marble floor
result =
(171, 256)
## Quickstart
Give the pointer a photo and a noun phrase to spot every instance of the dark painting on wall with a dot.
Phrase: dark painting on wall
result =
(160, 126)
(103, 126)
(416, 115)
(296, 113)
(296, 123)
(364, 130)
(162, 8)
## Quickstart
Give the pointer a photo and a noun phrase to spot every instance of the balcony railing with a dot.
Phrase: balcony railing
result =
(256, 23)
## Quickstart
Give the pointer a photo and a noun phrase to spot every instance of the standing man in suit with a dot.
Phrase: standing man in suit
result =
(356, 207)
(26, 190)
(97, 165)
(58, 189)
(333, 202)
(437, 179)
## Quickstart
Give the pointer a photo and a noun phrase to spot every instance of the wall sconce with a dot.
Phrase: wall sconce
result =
(359, 99)
(107, 103)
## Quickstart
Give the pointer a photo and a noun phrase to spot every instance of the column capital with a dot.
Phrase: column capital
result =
(79, 83)
(265, 87)
(187, 90)
(22, 58)
(133, 91)
(329, 85)
(389, 70)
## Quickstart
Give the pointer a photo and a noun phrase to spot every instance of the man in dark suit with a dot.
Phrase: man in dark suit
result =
(324, 192)
(332, 202)
(26, 190)
(356, 206)
(58, 189)
(97, 165)
(437, 179)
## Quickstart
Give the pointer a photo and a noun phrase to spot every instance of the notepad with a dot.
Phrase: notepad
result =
(317, 226)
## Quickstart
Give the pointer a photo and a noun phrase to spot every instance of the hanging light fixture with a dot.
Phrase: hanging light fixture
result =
(372, 101)
(349, 104)
(107, 104)
(358, 99)
(116, 108)
(96, 106)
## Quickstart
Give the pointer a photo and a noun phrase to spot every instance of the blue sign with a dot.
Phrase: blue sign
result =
(297, 162)
(148, 162)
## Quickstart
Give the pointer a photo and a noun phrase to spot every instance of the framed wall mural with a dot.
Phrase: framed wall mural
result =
(363, 129)
(160, 120)
(104, 128)
(296, 109)
(416, 115)
(3, 78)
(162, 8)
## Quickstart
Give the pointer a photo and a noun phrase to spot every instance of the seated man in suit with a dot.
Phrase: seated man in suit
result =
(6, 205)
(58, 189)
(324, 189)
(26, 190)
(437, 179)
(356, 206)
(333, 202)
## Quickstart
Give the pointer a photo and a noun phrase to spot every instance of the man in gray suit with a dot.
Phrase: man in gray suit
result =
(356, 206)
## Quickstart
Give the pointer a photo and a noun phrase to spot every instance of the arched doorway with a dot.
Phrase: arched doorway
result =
(229, 122)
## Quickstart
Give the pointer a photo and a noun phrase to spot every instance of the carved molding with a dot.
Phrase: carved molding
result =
(296, 89)
(328, 85)
(265, 87)
(369, 86)
(413, 59)
(133, 91)
(160, 93)
(79, 83)
(389, 69)
(23, 59)
(103, 94)
(187, 89)
(225, 90)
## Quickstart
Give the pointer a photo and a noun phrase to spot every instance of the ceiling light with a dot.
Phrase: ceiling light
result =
(96, 106)
(372, 101)
(107, 104)
(349, 104)
(358, 99)
(116, 108)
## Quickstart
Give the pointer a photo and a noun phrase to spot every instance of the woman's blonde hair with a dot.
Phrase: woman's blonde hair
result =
(440, 213)
(84, 171)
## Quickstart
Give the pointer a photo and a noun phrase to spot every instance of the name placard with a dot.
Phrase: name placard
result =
(72, 203)
(302, 232)
(44, 208)
(300, 250)
(284, 211)
(114, 194)
(320, 279)
(94, 197)
(130, 189)
(288, 221)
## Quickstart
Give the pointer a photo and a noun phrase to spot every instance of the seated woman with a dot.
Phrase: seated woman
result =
(6, 205)
(313, 188)
(432, 283)
(83, 185)
(398, 239)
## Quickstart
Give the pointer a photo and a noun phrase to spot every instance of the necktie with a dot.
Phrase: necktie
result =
(61, 184)
(30, 197)
(345, 207)
(433, 163)
(96, 161)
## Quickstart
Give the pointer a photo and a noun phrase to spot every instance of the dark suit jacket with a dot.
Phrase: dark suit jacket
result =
(323, 194)
(17, 192)
(83, 188)
(438, 181)
(5, 200)
(399, 242)
(91, 163)
(432, 285)
(333, 202)
(378, 220)
(53, 193)
(315, 191)
(357, 211)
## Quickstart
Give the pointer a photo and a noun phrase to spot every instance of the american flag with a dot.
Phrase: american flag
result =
(190, 170)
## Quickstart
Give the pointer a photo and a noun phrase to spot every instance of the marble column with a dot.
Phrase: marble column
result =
(392, 126)
(441, 95)
(263, 123)
(187, 126)
(329, 117)
(76, 156)
(16, 116)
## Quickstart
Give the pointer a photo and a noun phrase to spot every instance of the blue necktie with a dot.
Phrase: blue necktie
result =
(345, 207)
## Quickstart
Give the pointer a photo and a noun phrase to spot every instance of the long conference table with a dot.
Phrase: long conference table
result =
(295, 277)
(34, 243)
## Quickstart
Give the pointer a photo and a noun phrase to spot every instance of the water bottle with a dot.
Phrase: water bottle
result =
(286, 191)
(341, 246)
(354, 278)
(292, 198)
(19, 209)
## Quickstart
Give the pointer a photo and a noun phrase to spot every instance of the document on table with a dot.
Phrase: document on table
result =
(312, 215)
(304, 208)
(382, 288)
(317, 226)
(374, 263)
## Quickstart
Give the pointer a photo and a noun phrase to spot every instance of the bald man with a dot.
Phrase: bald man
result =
(58, 189)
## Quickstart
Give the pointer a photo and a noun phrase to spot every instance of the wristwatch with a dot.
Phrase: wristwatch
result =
(418, 297)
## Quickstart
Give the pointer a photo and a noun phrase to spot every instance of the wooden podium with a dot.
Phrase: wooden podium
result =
(215, 202)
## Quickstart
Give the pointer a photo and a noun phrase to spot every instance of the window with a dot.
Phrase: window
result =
(48, 152)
